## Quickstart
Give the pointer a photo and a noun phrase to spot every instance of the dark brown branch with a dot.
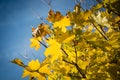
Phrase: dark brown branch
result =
(43, 44)
(32, 78)
(48, 4)
(75, 51)
(106, 38)
(68, 62)
(103, 31)
(74, 75)
(64, 51)
(80, 70)
(77, 67)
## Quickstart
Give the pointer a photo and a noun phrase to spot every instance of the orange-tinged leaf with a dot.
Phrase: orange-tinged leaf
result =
(18, 62)
(53, 17)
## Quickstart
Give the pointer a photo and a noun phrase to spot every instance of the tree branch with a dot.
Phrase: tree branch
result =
(80, 70)
(68, 61)
(106, 38)
(74, 75)
(75, 51)
(43, 44)
(103, 31)
(77, 67)
(64, 51)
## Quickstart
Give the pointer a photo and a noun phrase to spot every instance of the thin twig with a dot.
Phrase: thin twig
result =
(64, 51)
(43, 44)
(74, 75)
(77, 67)
(80, 70)
(75, 51)
(38, 16)
(68, 61)
(48, 4)
(106, 38)
(103, 31)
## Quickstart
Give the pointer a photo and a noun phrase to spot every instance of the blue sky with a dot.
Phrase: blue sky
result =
(16, 20)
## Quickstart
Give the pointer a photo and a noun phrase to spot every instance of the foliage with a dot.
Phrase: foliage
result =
(81, 45)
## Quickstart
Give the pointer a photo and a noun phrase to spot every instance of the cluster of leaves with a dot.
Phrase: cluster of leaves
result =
(81, 45)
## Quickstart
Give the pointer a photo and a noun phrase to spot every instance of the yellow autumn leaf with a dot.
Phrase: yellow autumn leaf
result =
(34, 64)
(69, 39)
(65, 68)
(83, 64)
(67, 78)
(41, 77)
(60, 36)
(63, 23)
(87, 14)
(116, 46)
(25, 73)
(35, 42)
(53, 42)
(90, 27)
(108, 48)
(32, 70)
(54, 50)
(37, 76)
(50, 78)
(98, 6)
(45, 69)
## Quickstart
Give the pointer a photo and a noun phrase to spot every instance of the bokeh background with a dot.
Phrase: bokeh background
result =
(16, 20)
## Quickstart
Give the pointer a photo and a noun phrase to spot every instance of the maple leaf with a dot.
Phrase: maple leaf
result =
(33, 66)
(36, 69)
(54, 50)
(63, 23)
(41, 30)
(53, 17)
(45, 69)
(68, 39)
(60, 36)
(35, 42)
(78, 20)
